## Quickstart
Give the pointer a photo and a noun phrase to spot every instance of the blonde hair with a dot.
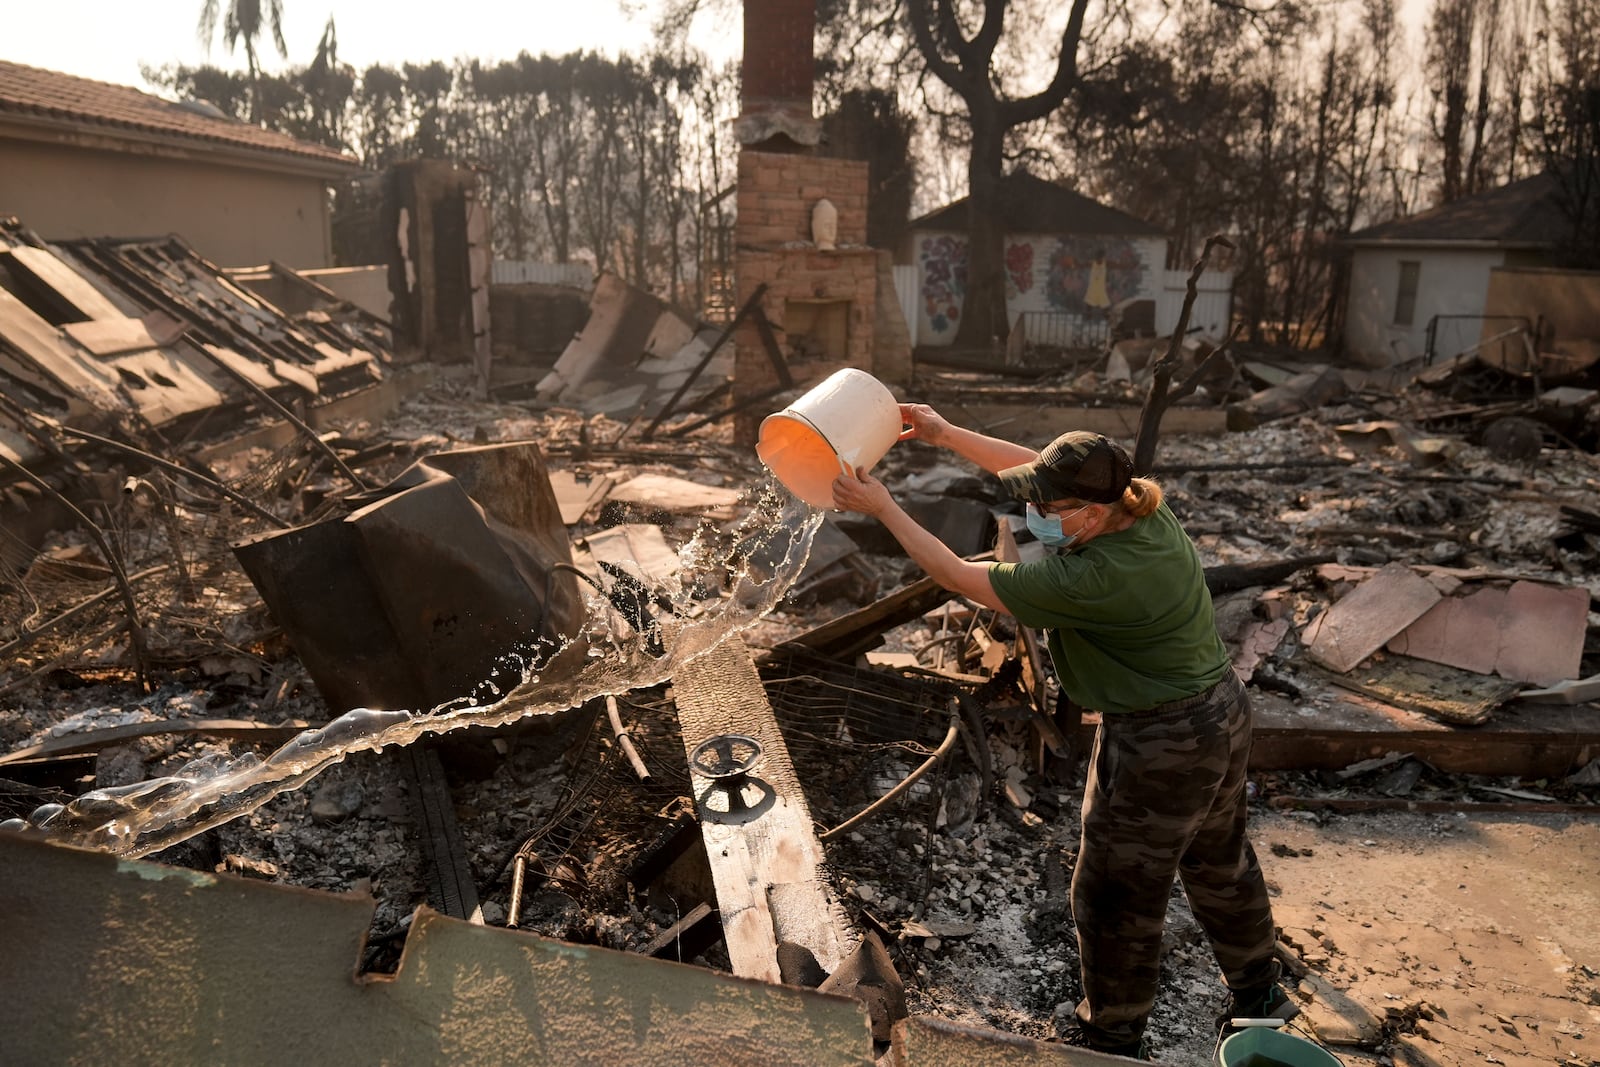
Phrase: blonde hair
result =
(1141, 497)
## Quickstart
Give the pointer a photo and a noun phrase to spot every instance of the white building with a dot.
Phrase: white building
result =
(1073, 267)
(1417, 285)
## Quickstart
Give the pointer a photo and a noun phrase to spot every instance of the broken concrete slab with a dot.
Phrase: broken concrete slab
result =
(677, 494)
(637, 548)
(575, 495)
(1530, 632)
(625, 324)
(1361, 622)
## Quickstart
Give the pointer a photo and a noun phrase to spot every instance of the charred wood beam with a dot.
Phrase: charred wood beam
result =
(451, 888)
(677, 839)
(1230, 577)
(863, 629)
(1434, 807)
(688, 937)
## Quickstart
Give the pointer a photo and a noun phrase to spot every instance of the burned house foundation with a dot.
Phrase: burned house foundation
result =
(387, 688)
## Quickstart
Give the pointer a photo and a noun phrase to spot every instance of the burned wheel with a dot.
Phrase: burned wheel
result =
(725, 756)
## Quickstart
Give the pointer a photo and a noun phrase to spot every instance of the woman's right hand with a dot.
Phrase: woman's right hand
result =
(923, 423)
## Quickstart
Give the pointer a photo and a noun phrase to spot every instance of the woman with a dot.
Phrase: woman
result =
(1132, 636)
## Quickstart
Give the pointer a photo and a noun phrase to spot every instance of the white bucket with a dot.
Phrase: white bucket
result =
(848, 420)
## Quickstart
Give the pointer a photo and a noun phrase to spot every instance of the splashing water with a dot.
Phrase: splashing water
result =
(750, 568)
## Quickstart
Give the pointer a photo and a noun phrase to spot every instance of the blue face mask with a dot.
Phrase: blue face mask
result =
(1046, 529)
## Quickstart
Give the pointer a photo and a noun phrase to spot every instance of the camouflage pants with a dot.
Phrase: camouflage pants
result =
(1166, 796)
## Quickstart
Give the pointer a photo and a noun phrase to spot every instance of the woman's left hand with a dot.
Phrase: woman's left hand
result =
(863, 493)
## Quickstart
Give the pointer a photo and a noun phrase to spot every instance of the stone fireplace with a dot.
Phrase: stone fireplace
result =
(829, 307)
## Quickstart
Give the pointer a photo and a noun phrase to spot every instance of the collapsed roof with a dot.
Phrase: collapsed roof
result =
(98, 329)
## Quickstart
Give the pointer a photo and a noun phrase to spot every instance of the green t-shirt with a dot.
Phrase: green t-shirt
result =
(1129, 617)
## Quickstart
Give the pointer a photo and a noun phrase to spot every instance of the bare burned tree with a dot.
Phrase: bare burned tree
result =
(1161, 395)
(963, 58)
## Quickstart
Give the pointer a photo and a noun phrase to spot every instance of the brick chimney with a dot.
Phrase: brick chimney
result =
(775, 90)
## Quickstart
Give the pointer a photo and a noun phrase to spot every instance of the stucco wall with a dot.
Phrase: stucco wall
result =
(1448, 283)
(1060, 274)
(233, 217)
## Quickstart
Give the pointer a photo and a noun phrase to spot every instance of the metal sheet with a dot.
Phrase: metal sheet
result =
(418, 596)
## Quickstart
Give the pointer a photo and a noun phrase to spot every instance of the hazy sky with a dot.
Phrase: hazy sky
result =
(108, 39)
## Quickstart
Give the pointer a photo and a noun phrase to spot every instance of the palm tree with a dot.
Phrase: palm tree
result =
(243, 21)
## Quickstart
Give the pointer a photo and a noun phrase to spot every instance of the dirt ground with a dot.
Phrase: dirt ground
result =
(1429, 941)
(1467, 939)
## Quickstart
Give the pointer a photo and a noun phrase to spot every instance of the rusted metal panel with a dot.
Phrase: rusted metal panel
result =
(416, 597)
(930, 1042)
(118, 961)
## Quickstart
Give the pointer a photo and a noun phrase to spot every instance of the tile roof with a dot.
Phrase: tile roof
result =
(71, 102)
(1523, 213)
(1033, 205)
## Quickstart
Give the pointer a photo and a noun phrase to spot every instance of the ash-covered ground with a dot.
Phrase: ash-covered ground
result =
(972, 888)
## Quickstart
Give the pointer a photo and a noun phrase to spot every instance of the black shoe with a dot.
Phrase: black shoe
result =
(1075, 1035)
(1269, 1002)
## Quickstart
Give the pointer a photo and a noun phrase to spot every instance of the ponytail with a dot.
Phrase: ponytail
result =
(1141, 497)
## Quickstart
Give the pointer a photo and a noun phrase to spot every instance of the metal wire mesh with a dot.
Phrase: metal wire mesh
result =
(171, 537)
(607, 820)
(853, 735)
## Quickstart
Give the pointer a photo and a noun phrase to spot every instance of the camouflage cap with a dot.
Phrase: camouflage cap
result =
(1078, 465)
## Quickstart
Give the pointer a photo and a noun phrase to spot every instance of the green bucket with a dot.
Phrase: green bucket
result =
(1262, 1046)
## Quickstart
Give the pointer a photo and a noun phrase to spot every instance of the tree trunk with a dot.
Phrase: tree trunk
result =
(983, 312)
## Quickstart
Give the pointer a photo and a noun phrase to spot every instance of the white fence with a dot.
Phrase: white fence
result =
(1210, 316)
(1213, 303)
(529, 272)
(908, 288)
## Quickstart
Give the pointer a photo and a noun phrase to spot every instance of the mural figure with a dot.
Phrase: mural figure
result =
(1087, 276)
(1096, 297)
(1019, 268)
(944, 281)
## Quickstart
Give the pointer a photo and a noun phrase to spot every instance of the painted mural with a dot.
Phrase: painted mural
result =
(1057, 282)
(1087, 275)
(1019, 269)
(944, 283)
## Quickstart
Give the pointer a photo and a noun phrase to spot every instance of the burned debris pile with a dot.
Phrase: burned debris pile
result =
(1410, 595)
